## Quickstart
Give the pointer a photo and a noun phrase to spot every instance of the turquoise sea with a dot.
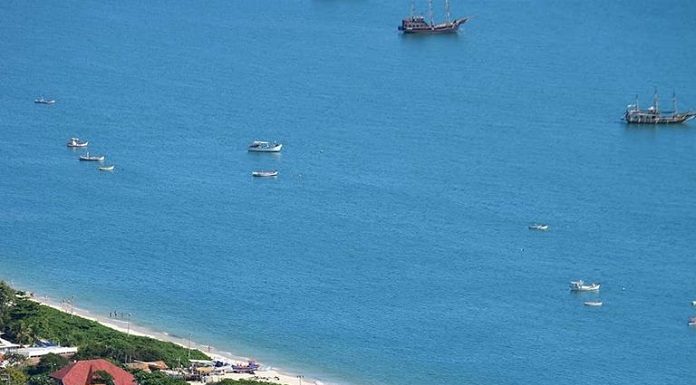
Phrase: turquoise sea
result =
(393, 247)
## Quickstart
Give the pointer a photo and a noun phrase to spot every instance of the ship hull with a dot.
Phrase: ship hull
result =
(434, 29)
(678, 119)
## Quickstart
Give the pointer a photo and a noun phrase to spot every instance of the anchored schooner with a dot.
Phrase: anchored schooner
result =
(417, 23)
(653, 115)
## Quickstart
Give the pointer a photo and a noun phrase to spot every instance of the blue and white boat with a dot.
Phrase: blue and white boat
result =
(263, 146)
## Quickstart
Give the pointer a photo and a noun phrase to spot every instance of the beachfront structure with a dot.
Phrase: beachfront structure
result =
(35, 353)
(83, 373)
(7, 346)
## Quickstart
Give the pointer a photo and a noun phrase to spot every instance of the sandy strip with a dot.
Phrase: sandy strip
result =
(265, 372)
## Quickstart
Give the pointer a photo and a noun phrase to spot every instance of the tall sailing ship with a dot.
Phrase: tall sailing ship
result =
(653, 115)
(417, 23)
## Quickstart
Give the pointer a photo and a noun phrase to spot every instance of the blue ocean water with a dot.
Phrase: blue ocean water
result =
(393, 248)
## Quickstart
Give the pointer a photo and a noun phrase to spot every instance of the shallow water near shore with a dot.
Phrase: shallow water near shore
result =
(393, 247)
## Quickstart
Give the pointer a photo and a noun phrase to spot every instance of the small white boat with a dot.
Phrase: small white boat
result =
(580, 286)
(41, 100)
(692, 321)
(593, 303)
(93, 158)
(539, 227)
(693, 303)
(76, 142)
(262, 173)
(106, 168)
(262, 146)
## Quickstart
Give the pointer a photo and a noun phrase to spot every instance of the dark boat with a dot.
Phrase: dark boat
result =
(417, 23)
(653, 115)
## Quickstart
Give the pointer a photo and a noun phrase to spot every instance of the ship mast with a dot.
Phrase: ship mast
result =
(413, 8)
(448, 17)
(674, 102)
(430, 11)
(656, 102)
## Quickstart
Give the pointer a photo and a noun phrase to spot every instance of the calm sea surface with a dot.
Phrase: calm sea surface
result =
(393, 248)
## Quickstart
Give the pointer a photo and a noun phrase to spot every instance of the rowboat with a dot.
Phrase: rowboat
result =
(41, 100)
(106, 168)
(593, 303)
(539, 227)
(262, 173)
(95, 158)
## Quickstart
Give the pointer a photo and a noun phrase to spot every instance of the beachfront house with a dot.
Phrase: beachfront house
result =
(7, 346)
(85, 373)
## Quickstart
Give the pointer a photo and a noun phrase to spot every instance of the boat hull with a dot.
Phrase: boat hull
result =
(593, 304)
(264, 174)
(451, 27)
(106, 168)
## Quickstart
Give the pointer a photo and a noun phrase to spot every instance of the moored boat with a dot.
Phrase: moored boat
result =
(106, 168)
(263, 146)
(264, 173)
(594, 303)
(417, 23)
(653, 115)
(76, 142)
(92, 158)
(249, 367)
(693, 303)
(42, 100)
(580, 286)
(539, 227)
(692, 321)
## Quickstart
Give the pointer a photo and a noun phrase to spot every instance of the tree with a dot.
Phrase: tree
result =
(13, 376)
(49, 364)
(41, 379)
(7, 298)
(102, 377)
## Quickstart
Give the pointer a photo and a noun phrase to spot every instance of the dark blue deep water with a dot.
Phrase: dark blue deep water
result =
(393, 248)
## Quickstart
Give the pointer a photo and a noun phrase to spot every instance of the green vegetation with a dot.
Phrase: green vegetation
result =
(48, 364)
(26, 321)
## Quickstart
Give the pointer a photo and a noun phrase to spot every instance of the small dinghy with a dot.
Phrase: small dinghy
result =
(262, 173)
(593, 303)
(539, 227)
(693, 303)
(106, 168)
(692, 321)
(92, 158)
(42, 100)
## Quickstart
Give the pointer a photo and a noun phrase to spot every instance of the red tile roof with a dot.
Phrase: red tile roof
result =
(80, 373)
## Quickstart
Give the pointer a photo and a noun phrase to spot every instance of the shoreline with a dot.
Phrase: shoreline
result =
(266, 372)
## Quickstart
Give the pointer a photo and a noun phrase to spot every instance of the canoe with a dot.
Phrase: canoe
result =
(264, 173)
(594, 303)
(106, 168)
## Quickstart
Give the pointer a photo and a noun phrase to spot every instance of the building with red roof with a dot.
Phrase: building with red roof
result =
(83, 373)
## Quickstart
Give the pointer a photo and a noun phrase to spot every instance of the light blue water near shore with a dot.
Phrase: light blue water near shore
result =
(393, 248)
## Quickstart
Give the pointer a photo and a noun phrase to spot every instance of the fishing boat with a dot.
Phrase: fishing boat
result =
(580, 286)
(594, 303)
(539, 227)
(42, 100)
(92, 158)
(417, 23)
(248, 367)
(263, 146)
(106, 168)
(263, 173)
(653, 115)
(76, 142)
